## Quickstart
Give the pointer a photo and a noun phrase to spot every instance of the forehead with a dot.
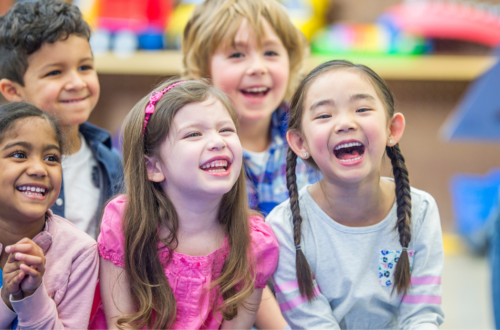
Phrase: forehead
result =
(208, 112)
(74, 49)
(340, 85)
(244, 33)
(24, 129)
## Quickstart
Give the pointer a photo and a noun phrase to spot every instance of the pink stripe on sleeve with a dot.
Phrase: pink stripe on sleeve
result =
(287, 286)
(423, 299)
(426, 280)
(296, 301)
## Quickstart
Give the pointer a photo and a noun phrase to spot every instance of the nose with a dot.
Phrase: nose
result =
(75, 81)
(37, 169)
(345, 123)
(216, 143)
(257, 65)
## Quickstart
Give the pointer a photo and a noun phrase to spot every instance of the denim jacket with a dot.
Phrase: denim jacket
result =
(109, 173)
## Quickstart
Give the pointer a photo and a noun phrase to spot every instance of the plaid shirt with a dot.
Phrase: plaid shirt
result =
(266, 188)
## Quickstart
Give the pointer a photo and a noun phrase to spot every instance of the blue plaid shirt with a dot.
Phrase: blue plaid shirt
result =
(266, 188)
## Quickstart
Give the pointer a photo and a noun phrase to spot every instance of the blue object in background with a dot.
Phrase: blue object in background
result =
(14, 323)
(152, 40)
(474, 199)
(477, 117)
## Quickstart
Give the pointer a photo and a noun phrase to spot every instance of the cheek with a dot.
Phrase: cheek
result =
(56, 178)
(377, 135)
(281, 74)
(317, 139)
(234, 145)
(225, 80)
(93, 85)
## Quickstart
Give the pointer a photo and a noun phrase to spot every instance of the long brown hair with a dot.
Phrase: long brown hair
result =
(215, 22)
(403, 196)
(148, 207)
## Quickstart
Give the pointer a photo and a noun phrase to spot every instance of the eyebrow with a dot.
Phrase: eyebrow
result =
(29, 146)
(320, 103)
(270, 42)
(61, 63)
(202, 125)
(330, 102)
(362, 96)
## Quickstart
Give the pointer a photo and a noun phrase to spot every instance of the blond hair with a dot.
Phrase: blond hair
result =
(148, 206)
(215, 22)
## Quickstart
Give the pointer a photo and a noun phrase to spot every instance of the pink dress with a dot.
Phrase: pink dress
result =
(190, 276)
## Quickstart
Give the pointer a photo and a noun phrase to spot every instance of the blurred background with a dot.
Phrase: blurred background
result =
(430, 53)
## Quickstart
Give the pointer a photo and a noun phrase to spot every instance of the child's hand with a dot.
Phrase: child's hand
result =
(12, 277)
(32, 264)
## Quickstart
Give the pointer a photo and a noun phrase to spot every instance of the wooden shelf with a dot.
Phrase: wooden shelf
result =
(430, 67)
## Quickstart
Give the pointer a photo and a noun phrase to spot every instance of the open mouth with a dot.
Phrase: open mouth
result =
(219, 165)
(256, 91)
(349, 151)
(31, 190)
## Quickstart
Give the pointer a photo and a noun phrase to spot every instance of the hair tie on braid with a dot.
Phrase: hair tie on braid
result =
(405, 249)
(297, 247)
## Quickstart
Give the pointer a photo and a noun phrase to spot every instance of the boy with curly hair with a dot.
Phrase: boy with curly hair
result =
(46, 60)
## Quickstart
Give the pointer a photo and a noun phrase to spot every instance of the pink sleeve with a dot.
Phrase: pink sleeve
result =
(265, 248)
(39, 311)
(111, 240)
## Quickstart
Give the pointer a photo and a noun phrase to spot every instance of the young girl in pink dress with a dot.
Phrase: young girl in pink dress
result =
(181, 249)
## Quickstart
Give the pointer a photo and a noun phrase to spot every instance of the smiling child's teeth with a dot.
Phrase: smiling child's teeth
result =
(350, 160)
(216, 163)
(32, 190)
(348, 145)
(256, 90)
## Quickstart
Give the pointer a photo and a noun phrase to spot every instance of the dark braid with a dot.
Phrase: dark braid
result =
(402, 273)
(304, 275)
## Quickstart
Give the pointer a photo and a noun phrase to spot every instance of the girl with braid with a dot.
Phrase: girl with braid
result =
(357, 251)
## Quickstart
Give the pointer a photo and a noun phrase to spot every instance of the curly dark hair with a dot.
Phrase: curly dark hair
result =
(27, 25)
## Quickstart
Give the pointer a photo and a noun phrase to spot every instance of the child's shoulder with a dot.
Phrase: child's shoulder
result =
(259, 229)
(265, 248)
(113, 212)
(95, 135)
(261, 233)
(65, 233)
(281, 215)
(421, 201)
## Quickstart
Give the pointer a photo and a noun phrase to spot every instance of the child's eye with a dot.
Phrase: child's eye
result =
(323, 117)
(19, 154)
(192, 135)
(231, 130)
(53, 73)
(85, 67)
(270, 53)
(52, 158)
(363, 110)
(236, 55)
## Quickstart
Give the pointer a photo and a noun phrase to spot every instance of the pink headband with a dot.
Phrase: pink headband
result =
(155, 96)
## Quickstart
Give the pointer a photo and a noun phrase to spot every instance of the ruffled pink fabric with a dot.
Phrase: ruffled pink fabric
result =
(190, 276)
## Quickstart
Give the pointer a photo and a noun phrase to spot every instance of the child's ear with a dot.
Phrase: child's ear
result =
(11, 90)
(396, 129)
(298, 144)
(154, 170)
